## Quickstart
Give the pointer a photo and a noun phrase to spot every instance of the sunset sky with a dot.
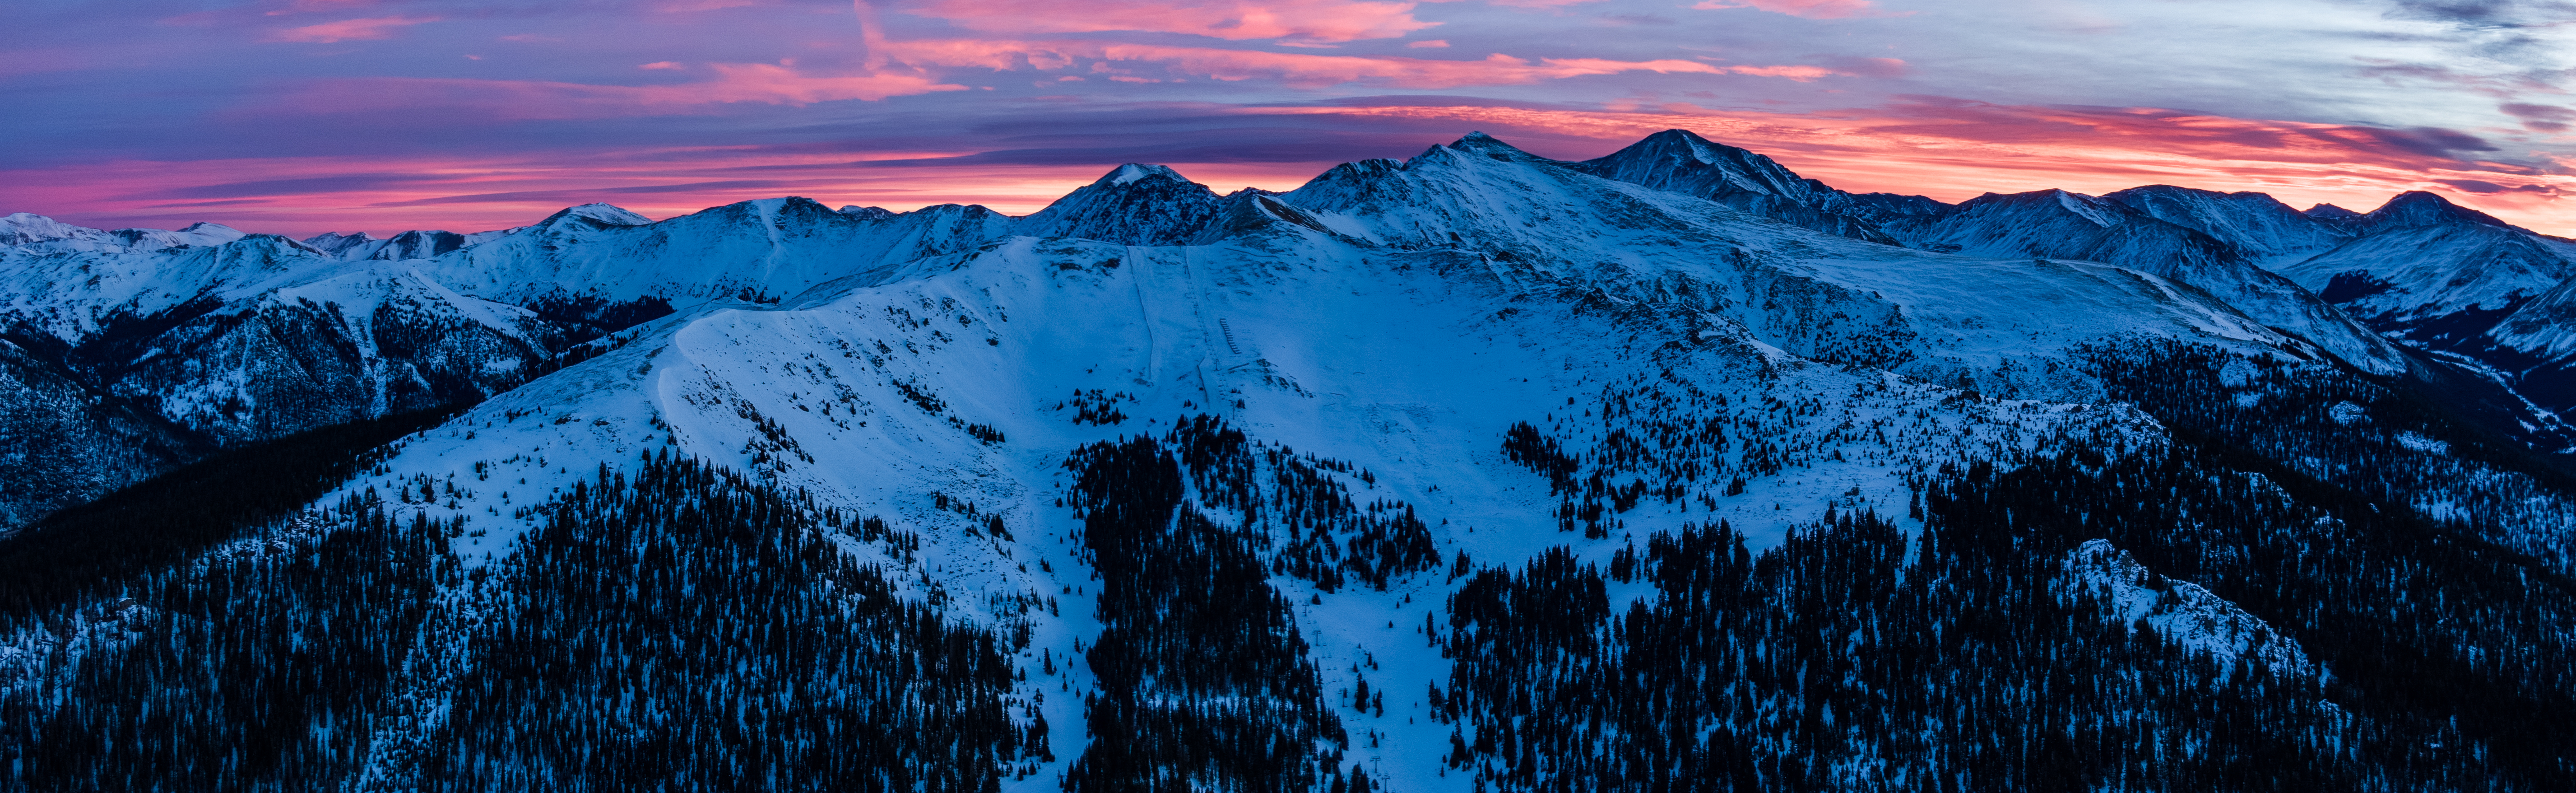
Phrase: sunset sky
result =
(304, 116)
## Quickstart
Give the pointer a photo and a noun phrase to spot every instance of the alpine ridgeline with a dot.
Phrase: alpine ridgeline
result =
(1478, 471)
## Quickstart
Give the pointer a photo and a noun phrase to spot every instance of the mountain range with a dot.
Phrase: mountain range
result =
(1670, 469)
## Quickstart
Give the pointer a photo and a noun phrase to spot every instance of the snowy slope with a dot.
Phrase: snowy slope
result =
(22, 228)
(2460, 283)
(2179, 610)
(178, 350)
(406, 245)
(2060, 224)
(2425, 260)
(2254, 223)
(763, 249)
(2545, 327)
(1482, 195)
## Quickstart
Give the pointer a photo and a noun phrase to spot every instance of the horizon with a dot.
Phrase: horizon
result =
(387, 115)
(301, 235)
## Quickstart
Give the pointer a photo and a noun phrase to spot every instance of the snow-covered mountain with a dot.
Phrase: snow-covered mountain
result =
(2452, 280)
(2056, 223)
(1414, 477)
(2463, 271)
(2255, 224)
(1680, 161)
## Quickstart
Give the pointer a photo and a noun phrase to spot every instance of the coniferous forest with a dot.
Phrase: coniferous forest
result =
(1978, 657)
(1204, 677)
(678, 629)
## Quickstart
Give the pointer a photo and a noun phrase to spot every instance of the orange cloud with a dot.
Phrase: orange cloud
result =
(348, 30)
(1308, 20)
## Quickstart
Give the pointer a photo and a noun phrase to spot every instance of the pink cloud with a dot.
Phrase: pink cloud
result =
(780, 84)
(1428, 44)
(348, 30)
(1307, 20)
(320, 5)
(1528, 3)
(754, 83)
(686, 6)
(1804, 74)
(1811, 9)
(1300, 69)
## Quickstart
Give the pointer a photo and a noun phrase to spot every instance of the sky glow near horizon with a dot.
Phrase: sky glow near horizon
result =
(304, 116)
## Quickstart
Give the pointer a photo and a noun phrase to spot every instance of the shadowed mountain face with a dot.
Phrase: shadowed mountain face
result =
(1682, 162)
(2444, 278)
(1132, 205)
(2253, 223)
(1412, 478)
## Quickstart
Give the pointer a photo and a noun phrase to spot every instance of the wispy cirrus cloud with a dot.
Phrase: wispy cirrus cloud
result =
(2540, 118)
(369, 29)
(910, 64)
(1303, 69)
(1309, 20)
(732, 84)
(1811, 9)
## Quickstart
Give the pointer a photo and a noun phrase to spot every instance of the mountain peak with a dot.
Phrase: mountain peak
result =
(2162, 190)
(1680, 161)
(2092, 209)
(1700, 148)
(338, 244)
(2420, 208)
(21, 228)
(2330, 212)
(1134, 171)
(2255, 223)
(597, 214)
(1490, 146)
(1134, 204)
